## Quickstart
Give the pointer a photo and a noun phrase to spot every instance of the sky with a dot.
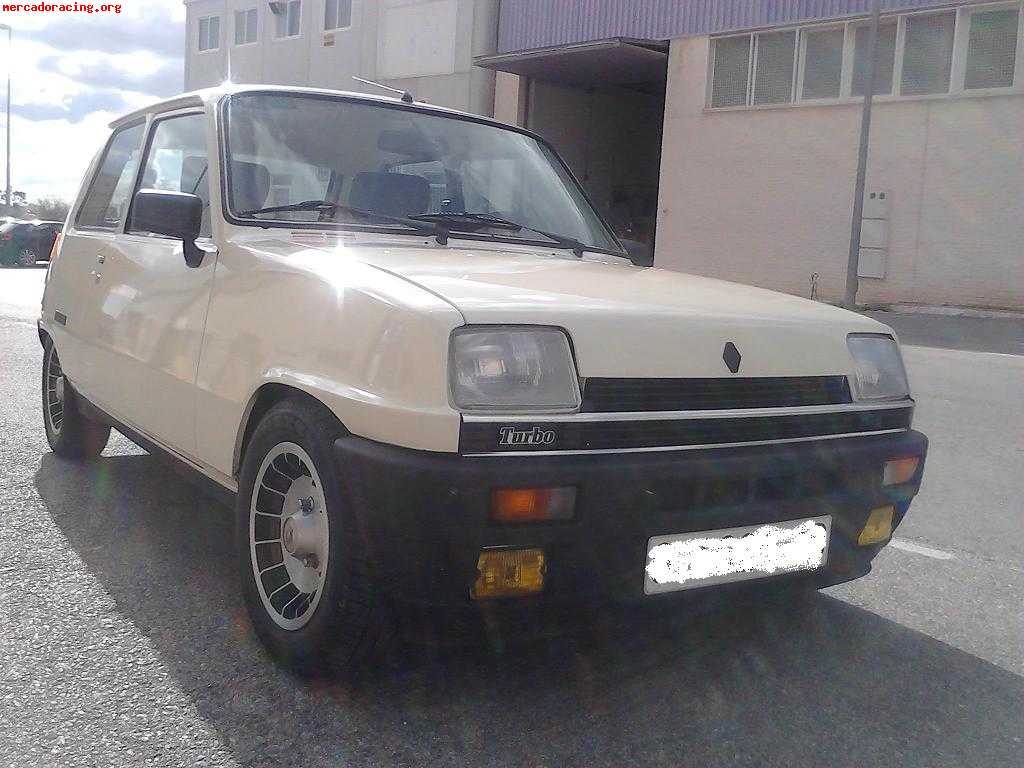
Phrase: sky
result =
(72, 73)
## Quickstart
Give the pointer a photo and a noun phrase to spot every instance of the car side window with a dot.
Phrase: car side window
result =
(177, 161)
(109, 194)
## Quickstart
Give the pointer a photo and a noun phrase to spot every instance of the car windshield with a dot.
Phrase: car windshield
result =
(287, 149)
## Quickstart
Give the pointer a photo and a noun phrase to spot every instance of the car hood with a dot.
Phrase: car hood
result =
(627, 321)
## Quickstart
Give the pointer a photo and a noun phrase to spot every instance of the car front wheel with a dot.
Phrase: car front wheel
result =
(27, 258)
(309, 591)
(69, 433)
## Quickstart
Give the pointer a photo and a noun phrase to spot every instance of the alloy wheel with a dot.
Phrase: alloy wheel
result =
(55, 392)
(289, 535)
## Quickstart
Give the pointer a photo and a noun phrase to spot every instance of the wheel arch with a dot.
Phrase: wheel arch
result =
(266, 396)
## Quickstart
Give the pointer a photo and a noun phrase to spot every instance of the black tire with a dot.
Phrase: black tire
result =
(350, 628)
(70, 434)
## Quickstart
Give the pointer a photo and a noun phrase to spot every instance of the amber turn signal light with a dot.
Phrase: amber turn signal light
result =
(508, 573)
(900, 471)
(532, 505)
(878, 528)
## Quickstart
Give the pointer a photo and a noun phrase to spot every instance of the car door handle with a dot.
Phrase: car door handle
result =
(96, 275)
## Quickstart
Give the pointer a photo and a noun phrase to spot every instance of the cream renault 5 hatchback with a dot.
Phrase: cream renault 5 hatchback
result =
(406, 345)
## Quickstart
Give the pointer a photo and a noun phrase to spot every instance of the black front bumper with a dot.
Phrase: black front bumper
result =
(423, 518)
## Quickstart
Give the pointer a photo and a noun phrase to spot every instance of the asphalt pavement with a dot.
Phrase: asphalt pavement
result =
(123, 641)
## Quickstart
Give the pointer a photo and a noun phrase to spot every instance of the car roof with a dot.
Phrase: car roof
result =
(207, 96)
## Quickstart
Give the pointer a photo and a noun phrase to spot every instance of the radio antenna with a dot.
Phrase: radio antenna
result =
(406, 96)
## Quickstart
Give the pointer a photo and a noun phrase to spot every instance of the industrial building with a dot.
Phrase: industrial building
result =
(724, 132)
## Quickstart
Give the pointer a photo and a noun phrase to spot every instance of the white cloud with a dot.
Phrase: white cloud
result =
(73, 73)
(49, 157)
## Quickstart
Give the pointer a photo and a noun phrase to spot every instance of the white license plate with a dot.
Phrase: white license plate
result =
(706, 558)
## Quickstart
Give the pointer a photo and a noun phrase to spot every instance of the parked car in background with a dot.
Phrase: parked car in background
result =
(23, 243)
(406, 346)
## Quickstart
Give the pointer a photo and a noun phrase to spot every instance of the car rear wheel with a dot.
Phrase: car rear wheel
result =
(27, 258)
(69, 433)
(309, 589)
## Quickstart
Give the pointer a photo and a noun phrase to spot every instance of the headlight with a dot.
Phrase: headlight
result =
(878, 371)
(513, 369)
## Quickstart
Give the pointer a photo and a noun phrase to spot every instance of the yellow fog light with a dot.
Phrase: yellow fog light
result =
(878, 528)
(509, 573)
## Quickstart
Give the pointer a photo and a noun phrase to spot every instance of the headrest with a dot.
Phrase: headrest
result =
(250, 186)
(393, 194)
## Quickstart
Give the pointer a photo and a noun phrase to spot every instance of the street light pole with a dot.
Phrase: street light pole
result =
(10, 62)
(852, 264)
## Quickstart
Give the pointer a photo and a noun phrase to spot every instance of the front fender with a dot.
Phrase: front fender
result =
(371, 346)
(360, 413)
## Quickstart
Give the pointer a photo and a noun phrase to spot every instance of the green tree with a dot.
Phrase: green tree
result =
(49, 208)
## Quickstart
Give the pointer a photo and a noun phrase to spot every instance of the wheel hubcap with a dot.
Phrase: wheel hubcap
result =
(289, 536)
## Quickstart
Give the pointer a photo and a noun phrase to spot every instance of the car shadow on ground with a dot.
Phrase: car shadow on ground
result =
(814, 681)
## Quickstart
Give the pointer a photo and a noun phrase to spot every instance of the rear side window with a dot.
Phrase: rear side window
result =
(107, 201)
(176, 161)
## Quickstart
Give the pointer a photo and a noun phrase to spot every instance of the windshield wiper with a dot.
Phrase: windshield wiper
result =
(463, 220)
(438, 224)
(430, 227)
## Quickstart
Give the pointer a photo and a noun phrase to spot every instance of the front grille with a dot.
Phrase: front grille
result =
(625, 395)
(488, 437)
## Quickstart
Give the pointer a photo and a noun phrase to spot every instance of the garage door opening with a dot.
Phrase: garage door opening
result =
(602, 106)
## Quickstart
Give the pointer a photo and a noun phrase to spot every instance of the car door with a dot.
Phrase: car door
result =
(153, 305)
(73, 290)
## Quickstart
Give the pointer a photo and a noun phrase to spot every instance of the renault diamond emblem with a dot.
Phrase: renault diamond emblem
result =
(732, 357)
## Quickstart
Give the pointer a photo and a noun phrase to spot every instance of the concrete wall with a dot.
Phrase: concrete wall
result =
(761, 196)
(510, 92)
(426, 46)
(764, 196)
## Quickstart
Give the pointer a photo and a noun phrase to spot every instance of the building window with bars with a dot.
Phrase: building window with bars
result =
(732, 72)
(934, 53)
(287, 19)
(775, 60)
(885, 58)
(992, 49)
(245, 26)
(209, 33)
(822, 63)
(928, 54)
(337, 14)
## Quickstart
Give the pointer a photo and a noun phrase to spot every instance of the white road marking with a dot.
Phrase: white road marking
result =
(918, 549)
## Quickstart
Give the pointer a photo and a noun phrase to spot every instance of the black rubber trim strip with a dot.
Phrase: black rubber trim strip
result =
(485, 437)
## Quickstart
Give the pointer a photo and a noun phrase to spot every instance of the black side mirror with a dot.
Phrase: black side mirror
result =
(173, 214)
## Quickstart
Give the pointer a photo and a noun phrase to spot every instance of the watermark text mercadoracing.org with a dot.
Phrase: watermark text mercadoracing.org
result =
(62, 7)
